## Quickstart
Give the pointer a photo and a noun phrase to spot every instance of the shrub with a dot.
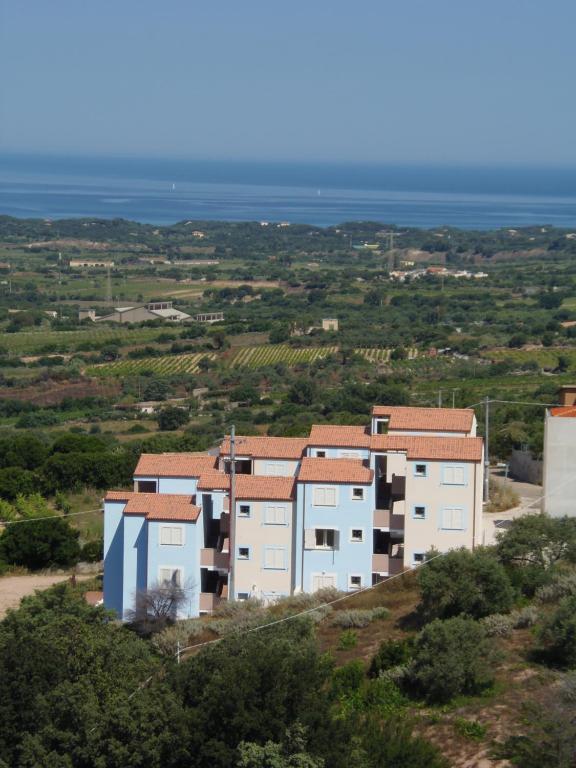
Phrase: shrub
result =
(558, 634)
(498, 625)
(40, 544)
(358, 618)
(348, 639)
(470, 729)
(391, 654)
(525, 617)
(183, 632)
(563, 585)
(92, 551)
(451, 657)
(465, 583)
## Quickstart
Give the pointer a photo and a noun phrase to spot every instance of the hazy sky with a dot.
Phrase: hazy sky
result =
(439, 81)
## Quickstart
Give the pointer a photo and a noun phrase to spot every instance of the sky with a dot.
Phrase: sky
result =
(372, 81)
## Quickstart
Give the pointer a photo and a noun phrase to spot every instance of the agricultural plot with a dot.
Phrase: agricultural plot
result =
(257, 357)
(41, 341)
(166, 365)
(546, 357)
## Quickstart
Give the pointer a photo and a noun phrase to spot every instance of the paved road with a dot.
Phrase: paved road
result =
(530, 498)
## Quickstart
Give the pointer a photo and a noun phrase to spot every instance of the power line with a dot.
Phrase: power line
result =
(50, 517)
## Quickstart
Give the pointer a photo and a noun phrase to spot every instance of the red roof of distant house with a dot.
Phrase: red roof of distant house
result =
(339, 437)
(565, 411)
(157, 506)
(174, 464)
(266, 447)
(315, 470)
(426, 419)
(264, 488)
(433, 448)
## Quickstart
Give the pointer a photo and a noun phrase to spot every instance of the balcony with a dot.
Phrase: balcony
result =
(211, 558)
(225, 522)
(387, 564)
(384, 518)
(208, 601)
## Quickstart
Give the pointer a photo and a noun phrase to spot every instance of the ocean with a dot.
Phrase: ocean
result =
(166, 191)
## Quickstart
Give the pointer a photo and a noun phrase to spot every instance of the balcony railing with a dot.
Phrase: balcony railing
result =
(208, 601)
(211, 558)
(384, 518)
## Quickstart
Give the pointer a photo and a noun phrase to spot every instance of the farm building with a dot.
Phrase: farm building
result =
(154, 310)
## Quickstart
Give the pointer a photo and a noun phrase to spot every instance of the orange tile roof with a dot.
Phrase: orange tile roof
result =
(213, 480)
(427, 419)
(157, 506)
(174, 464)
(266, 447)
(315, 470)
(337, 436)
(565, 411)
(424, 447)
(262, 488)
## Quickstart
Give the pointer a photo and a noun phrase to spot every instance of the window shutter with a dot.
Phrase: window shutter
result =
(336, 539)
(310, 538)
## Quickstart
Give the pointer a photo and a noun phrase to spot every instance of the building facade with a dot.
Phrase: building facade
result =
(346, 507)
(559, 466)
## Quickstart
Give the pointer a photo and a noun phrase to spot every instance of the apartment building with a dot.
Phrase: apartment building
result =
(346, 507)
(558, 473)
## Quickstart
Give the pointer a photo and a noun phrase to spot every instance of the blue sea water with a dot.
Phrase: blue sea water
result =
(166, 191)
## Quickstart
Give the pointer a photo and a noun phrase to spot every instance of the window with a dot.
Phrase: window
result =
(324, 581)
(454, 475)
(147, 486)
(242, 596)
(419, 513)
(243, 553)
(420, 470)
(276, 469)
(244, 510)
(275, 558)
(453, 519)
(170, 577)
(418, 558)
(325, 538)
(354, 581)
(349, 454)
(324, 497)
(275, 514)
(357, 534)
(171, 535)
(358, 494)
(320, 454)
(382, 426)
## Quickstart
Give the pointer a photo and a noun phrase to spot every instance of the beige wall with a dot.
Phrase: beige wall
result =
(421, 535)
(278, 467)
(250, 575)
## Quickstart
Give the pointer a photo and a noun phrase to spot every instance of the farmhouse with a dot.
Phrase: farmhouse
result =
(154, 310)
(345, 507)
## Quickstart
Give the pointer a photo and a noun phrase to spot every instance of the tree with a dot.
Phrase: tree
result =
(451, 657)
(157, 607)
(303, 392)
(390, 743)
(292, 753)
(465, 583)
(558, 634)
(171, 418)
(40, 544)
(538, 540)
(15, 481)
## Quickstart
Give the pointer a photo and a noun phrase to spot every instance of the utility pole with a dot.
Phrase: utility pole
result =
(232, 545)
(439, 398)
(487, 449)
(108, 285)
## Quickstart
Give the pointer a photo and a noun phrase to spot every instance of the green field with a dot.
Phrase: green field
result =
(257, 357)
(37, 342)
(546, 357)
(166, 365)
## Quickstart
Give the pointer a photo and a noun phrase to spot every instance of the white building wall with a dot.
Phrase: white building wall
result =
(559, 472)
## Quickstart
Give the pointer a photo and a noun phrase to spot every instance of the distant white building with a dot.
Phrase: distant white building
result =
(559, 471)
(154, 310)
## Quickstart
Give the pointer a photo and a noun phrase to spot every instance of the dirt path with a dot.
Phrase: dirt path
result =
(14, 588)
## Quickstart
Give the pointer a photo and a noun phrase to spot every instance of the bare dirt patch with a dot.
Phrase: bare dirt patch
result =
(14, 588)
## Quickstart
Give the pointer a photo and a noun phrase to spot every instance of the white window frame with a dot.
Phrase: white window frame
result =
(354, 540)
(419, 517)
(449, 511)
(167, 531)
(358, 488)
(241, 596)
(323, 575)
(355, 576)
(420, 464)
(244, 514)
(271, 519)
(326, 547)
(243, 557)
(275, 469)
(320, 453)
(174, 569)
(320, 491)
(447, 469)
(415, 554)
(271, 548)
(347, 453)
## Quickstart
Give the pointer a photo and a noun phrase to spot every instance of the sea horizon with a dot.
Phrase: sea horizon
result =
(165, 191)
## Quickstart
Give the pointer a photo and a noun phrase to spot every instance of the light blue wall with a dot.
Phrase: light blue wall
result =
(135, 559)
(350, 557)
(186, 557)
(113, 555)
(184, 485)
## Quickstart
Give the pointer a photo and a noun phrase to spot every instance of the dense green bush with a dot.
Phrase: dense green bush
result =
(558, 634)
(464, 583)
(392, 653)
(40, 544)
(92, 551)
(451, 657)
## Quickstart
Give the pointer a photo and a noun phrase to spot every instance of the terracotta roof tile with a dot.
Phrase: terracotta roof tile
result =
(157, 506)
(213, 480)
(337, 436)
(427, 419)
(315, 470)
(565, 411)
(424, 447)
(266, 447)
(174, 464)
(259, 487)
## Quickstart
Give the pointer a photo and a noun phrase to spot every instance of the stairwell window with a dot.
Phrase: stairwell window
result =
(420, 470)
(244, 510)
(357, 534)
(357, 494)
(354, 581)
(419, 512)
(243, 553)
